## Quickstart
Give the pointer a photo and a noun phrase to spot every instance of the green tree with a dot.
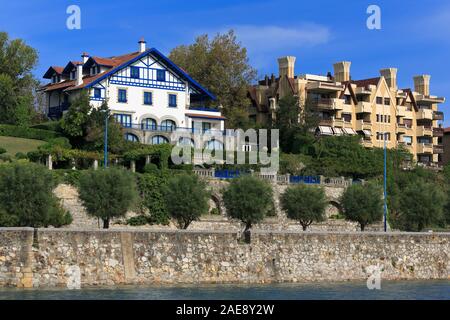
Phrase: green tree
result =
(150, 187)
(186, 198)
(85, 126)
(221, 65)
(422, 206)
(363, 203)
(26, 197)
(107, 193)
(17, 84)
(248, 199)
(304, 203)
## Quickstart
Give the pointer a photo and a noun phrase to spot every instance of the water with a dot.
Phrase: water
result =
(404, 290)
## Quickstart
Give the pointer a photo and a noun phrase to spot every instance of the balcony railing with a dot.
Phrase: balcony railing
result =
(426, 114)
(170, 129)
(424, 148)
(424, 131)
(438, 132)
(363, 107)
(438, 149)
(438, 115)
(326, 103)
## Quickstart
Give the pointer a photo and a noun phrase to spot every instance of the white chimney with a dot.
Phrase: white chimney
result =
(85, 57)
(79, 76)
(142, 45)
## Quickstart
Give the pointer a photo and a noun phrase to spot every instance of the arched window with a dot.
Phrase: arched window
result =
(159, 140)
(184, 141)
(168, 125)
(214, 145)
(148, 124)
(131, 137)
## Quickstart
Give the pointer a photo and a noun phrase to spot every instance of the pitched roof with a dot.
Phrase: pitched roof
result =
(366, 82)
(122, 61)
(53, 69)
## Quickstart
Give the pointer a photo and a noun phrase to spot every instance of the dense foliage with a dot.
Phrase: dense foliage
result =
(151, 192)
(186, 198)
(363, 203)
(249, 200)
(304, 203)
(17, 84)
(26, 198)
(220, 65)
(107, 193)
(27, 133)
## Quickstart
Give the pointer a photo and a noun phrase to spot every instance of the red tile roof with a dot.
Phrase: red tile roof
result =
(112, 62)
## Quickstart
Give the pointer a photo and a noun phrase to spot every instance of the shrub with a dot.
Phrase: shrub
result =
(5, 157)
(248, 199)
(305, 204)
(139, 220)
(363, 203)
(21, 155)
(107, 193)
(422, 205)
(26, 197)
(151, 197)
(27, 133)
(49, 126)
(151, 168)
(2, 150)
(186, 198)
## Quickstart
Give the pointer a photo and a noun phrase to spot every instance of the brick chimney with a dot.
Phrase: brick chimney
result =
(286, 66)
(390, 74)
(342, 71)
(79, 75)
(422, 84)
(142, 44)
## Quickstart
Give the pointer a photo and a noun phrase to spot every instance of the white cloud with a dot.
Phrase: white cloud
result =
(271, 38)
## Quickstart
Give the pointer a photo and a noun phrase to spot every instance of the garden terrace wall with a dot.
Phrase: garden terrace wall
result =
(114, 257)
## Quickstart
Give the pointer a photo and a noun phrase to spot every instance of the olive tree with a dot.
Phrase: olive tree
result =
(27, 199)
(107, 193)
(363, 203)
(248, 199)
(186, 198)
(304, 203)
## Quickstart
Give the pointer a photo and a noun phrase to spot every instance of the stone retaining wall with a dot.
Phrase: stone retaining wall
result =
(112, 257)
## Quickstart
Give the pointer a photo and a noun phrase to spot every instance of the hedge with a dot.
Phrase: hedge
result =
(27, 133)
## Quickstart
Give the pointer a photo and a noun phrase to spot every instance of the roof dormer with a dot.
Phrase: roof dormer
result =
(54, 73)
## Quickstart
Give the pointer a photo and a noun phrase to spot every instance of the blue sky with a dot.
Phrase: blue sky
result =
(414, 35)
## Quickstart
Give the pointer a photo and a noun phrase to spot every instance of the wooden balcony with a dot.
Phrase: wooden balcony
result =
(438, 132)
(438, 115)
(327, 104)
(363, 125)
(438, 149)
(425, 148)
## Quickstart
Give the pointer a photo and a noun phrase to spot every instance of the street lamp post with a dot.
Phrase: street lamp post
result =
(385, 185)
(105, 150)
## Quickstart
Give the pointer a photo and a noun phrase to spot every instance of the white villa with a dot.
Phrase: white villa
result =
(146, 92)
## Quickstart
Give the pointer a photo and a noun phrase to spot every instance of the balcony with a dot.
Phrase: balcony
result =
(401, 111)
(438, 115)
(327, 104)
(424, 131)
(401, 128)
(429, 99)
(425, 114)
(363, 107)
(424, 148)
(367, 143)
(438, 149)
(438, 132)
(363, 125)
(322, 86)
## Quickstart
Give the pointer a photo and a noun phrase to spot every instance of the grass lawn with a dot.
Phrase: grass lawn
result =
(14, 145)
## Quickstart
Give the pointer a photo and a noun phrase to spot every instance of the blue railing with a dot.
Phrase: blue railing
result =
(203, 108)
(304, 179)
(227, 174)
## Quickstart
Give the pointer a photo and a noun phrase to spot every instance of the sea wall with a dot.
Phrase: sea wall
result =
(62, 257)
